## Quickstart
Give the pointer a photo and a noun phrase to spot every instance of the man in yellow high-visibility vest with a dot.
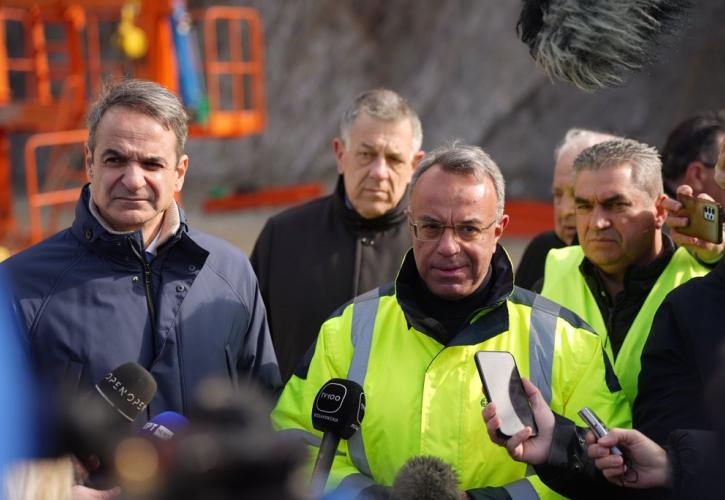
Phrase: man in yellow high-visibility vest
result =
(411, 344)
(624, 265)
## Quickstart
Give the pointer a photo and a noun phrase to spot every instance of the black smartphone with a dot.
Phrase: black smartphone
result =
(705, 218)
(502, 385)
(597, 426)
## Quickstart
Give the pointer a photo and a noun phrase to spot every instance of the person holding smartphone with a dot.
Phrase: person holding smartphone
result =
(573, 462)
(689, 156)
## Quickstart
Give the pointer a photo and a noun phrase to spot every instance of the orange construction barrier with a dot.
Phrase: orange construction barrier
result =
(265, 197)
(528, 218)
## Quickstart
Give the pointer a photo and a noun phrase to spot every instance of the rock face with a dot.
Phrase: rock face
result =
(461, 65)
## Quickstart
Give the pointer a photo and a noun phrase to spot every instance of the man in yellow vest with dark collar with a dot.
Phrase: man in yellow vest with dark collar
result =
(411, 343)
(624, 265)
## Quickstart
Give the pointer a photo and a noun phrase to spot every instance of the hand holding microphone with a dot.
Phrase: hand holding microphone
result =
(337, 411)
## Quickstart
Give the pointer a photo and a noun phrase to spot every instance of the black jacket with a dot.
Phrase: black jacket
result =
(680, 356)
(533, 261)
(619, 312)
(313, 258)
(696, 458)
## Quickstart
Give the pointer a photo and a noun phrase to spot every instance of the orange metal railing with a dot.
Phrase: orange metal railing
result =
(37, 200)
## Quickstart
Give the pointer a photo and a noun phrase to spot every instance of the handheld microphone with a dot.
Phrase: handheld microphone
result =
(426, 478)
(128, 389)
(593, 44)
(94, 423)
(164, 426)
(337, 411)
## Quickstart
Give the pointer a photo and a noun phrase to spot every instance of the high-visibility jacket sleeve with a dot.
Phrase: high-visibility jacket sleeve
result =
(293, 413)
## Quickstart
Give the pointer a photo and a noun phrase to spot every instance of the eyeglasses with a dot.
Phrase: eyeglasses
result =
(433, 231)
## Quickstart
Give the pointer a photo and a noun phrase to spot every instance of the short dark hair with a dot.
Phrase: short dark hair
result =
(694, 139)
(145, 97)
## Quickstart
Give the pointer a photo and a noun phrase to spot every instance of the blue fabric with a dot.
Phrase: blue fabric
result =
(15, 390)
(84, 309)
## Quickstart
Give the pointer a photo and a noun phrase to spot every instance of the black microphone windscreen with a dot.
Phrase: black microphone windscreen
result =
(128, 389)
(426, 478)
(339, 408)
(592, 44)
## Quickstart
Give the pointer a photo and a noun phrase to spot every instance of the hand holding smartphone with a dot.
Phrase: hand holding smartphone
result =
(705, 218)
(502, 385)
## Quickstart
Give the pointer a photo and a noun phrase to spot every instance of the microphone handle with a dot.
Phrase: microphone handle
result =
(323, 464)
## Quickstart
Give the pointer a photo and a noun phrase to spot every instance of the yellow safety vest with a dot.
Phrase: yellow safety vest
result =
(565, 284)
(425, 398)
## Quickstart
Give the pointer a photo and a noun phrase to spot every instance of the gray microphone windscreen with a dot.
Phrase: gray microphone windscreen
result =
(426, 478)
(592, 44)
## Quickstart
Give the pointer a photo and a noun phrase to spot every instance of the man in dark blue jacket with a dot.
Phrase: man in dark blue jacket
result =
(129, 281)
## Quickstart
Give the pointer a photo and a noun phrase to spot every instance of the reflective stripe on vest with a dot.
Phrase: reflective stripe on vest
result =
(364, 312)
(351, 486)
(521, 490)
(542, 328)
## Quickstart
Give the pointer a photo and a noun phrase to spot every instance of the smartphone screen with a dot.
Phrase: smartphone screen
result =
(502, 385)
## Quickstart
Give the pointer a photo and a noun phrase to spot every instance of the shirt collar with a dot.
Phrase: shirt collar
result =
(169, 225)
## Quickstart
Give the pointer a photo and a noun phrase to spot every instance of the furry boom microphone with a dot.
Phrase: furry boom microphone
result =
(593, 43)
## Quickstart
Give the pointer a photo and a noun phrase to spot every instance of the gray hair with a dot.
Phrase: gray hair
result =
(382, 104)
(645, 162)
(463, 159)
(145, 97)
(580, 139)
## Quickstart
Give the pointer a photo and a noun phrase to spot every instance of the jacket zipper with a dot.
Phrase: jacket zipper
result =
(147, 287)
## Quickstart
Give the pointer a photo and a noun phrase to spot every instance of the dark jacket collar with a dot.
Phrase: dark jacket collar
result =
(640, 278)
(92, 233)
(499, 288)
(356, 221)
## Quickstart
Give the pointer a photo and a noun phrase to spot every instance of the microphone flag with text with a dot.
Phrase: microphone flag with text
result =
(94, 423)
(337, 411)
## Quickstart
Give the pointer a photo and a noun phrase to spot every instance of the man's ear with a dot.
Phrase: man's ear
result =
(660, 211)
(181, 169)
(338, 147)
(88, 162)
(417, 157)
(695, 176)
(500, 226)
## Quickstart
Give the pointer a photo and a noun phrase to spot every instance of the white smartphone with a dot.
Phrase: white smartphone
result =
(502, 385)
